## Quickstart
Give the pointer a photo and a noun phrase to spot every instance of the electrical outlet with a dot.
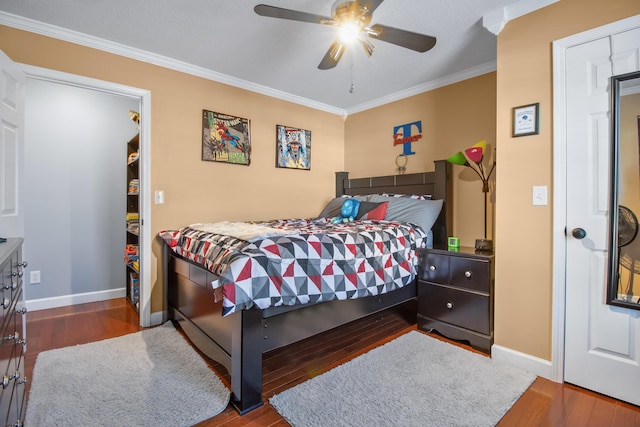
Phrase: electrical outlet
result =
(34, 277)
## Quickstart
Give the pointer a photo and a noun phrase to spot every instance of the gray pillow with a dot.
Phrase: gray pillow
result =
(334, 206)
(421, 212)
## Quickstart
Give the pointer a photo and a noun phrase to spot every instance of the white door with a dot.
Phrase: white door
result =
(602, 342)
(11, 149)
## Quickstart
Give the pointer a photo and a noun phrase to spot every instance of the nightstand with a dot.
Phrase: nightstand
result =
(455, 294)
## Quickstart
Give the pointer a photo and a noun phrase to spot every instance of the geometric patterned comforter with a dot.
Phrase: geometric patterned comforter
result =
(306, 260)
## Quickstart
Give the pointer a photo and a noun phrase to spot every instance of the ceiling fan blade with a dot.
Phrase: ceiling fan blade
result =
(293, 15)
(333, 55)
(408, 39)
(370, 5)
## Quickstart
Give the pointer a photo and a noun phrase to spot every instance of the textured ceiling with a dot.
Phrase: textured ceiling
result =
(225, 40)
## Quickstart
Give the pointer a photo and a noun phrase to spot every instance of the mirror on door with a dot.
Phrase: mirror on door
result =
(623, 287)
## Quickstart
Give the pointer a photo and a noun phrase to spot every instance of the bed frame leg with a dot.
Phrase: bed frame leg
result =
(246, 364)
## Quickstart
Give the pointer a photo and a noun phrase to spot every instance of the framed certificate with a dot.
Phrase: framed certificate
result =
(525, 120)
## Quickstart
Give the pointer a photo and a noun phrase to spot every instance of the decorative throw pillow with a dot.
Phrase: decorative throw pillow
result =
(333, 208)
(373, 211)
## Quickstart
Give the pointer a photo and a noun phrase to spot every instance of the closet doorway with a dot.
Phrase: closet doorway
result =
(75, 182)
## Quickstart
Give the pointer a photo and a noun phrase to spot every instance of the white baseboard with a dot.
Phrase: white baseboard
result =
(535, 365)
(61, 301)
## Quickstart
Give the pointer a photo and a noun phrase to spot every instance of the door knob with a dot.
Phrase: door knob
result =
(578, 233)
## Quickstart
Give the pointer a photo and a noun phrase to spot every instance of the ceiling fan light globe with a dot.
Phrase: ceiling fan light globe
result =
(349, 32)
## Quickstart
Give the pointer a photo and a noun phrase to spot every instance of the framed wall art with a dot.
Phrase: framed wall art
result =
(525, 120)
(225, 138)
(293, 148)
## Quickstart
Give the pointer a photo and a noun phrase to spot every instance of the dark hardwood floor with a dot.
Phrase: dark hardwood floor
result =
(545, 403)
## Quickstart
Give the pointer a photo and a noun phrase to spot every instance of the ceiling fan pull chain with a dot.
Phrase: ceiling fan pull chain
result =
(352, 88)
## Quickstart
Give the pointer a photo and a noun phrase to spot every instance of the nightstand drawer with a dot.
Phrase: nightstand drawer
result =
(434, 268)
(474, 274)
(460, 308)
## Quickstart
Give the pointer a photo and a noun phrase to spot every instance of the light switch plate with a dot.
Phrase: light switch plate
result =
(159, 197)
(540, 195)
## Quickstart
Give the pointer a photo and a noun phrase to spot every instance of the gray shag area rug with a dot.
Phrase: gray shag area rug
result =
(148, 378)
(414, 380)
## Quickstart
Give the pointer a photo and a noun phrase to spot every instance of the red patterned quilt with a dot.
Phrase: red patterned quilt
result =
(299, 261)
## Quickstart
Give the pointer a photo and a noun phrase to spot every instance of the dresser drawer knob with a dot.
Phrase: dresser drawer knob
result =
(17, 273)
(449, 305)
(432, 267)
(467, 274)
(6, 302)
(21, 342)
(22, 310)
(23, 264)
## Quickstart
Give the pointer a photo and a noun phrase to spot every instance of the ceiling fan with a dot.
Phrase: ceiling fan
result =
(352, 18)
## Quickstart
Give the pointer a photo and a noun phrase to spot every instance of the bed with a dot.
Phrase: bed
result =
(238, 339)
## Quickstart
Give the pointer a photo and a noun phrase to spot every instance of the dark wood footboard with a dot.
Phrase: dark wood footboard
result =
(237, 341)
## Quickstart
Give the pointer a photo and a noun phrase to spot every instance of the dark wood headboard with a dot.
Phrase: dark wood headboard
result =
(437, 183)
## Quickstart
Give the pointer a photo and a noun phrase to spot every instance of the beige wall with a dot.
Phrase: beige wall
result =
(524, 232)
(198, 191)
(454, 118)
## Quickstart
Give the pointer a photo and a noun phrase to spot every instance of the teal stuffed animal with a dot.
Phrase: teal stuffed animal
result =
(348, 212)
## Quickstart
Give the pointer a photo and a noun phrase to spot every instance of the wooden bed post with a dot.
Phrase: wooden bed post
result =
(341, 177)
(246, 360)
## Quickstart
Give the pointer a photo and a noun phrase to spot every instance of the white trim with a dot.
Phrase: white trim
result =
(82, 39)
(425, 87)
(73, 299)
(495, 20)
(559, 180)
(535, 365)
(144, 96)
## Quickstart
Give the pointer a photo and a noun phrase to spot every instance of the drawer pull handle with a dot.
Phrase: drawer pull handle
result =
(449, 305)
(22, 310)
(6, 302)
(21, 342)
(432, 267)
(467, 274)
(13, 337)
(12, 286)
(23, 264)
(19, 274)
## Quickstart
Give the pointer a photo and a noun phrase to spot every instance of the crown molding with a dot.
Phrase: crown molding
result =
(86, 40)
(495, 20)
(425, 87)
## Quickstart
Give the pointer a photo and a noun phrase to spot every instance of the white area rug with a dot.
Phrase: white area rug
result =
(149, 378)
(414, 380)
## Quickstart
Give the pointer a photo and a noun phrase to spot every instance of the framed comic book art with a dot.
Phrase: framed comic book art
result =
(293, 148)
(225, 138)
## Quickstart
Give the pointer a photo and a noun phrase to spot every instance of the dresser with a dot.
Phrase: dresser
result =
(455, 294)
(13, 327)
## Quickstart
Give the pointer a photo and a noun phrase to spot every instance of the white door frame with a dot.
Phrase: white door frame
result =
(560, 183)
(144, 96)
